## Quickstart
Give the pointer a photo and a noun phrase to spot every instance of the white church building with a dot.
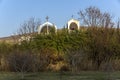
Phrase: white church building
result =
(46, 28)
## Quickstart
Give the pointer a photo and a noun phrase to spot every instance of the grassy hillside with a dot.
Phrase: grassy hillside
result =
(95, 48)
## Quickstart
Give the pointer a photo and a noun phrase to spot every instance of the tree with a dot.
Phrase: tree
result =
(75, 59)
(26, 31)
(103, 46)
(93, 17)
(118, 24)
(21, 62)
(29, 27)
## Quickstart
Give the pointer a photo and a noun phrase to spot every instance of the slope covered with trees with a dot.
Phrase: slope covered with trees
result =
(96, 47)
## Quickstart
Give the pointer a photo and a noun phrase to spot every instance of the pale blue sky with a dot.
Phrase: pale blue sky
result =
(15, 12)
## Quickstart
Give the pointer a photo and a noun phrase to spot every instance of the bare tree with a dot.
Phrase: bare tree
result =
(21, 62)
(26, 30)
(75, 59)
(92, 16)
(29, 27)
(118, 24)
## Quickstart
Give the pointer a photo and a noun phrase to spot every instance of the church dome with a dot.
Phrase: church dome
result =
(46, 27)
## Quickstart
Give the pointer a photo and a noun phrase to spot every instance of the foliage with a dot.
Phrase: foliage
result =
(90, 48)
(85, 50)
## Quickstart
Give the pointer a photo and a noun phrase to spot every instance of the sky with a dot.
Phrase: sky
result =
(13, 13)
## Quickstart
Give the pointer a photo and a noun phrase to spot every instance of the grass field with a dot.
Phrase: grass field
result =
(64, 76)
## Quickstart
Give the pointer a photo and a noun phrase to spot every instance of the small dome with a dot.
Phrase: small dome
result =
(46, 24)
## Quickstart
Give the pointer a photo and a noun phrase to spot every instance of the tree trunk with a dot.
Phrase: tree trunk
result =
(22, 75)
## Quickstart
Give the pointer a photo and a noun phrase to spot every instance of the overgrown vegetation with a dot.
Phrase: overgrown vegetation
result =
(96, 47)
(91, 49)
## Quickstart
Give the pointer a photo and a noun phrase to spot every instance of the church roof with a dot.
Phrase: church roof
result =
(73, 20)
(47, 23)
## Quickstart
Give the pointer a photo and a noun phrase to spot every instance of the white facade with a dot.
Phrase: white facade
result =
(73, 21)
(46, 24)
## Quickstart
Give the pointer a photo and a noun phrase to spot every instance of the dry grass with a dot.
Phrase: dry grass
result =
(88, 75)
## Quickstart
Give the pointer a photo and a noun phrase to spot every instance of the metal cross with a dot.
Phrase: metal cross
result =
(47, 18)
(72, 16)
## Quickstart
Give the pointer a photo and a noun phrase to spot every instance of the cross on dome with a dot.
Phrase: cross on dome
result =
(72, 16)
(47, 18)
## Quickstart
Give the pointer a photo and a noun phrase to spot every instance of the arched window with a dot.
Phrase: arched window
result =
(51, 29)
(73, 26)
